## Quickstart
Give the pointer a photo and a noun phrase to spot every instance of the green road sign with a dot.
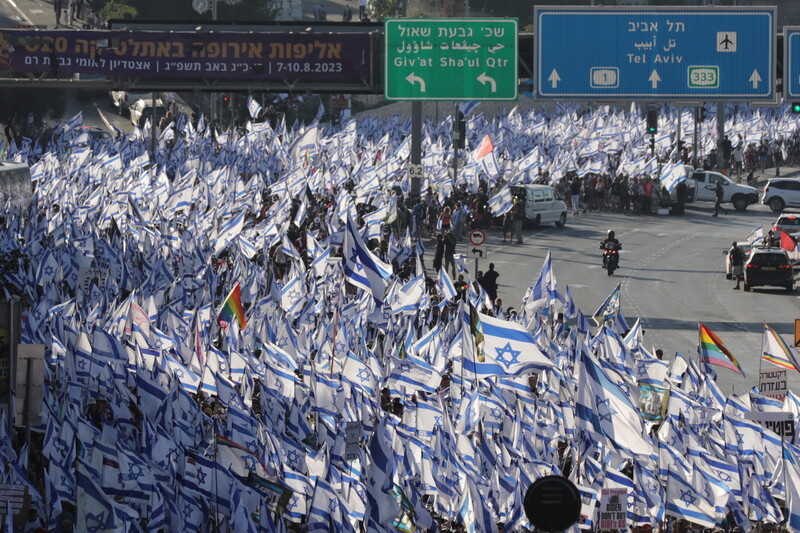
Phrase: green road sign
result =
(450, 59)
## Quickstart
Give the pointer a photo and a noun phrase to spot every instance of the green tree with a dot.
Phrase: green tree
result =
(381, 9)
(250, 10)
(117, 10)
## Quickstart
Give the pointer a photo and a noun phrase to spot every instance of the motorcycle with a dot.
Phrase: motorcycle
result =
(610, 256)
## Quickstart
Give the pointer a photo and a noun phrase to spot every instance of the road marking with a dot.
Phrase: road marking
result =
(104, 119)
(23, 16)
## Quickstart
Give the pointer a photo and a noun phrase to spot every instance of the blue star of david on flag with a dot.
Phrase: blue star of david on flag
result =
(687, 497)
(356, 261)
(249, 463)
(95, 522)
(135, 472)
(507, 356)
(604, 409)
(363, 375)
(292, 457)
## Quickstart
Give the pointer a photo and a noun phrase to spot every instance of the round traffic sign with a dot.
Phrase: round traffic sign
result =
(552, 503)
(477, 237)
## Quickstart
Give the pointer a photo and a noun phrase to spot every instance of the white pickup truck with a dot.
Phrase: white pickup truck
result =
(123, 100)
(740, 196)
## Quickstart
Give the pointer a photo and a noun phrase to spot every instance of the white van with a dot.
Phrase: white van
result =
(543, 204)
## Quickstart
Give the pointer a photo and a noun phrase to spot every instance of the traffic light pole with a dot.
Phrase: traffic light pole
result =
(416, 147)
(694, 144)
(720, 131)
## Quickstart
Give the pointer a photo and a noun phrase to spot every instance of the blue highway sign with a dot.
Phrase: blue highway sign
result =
(791, 62)
(660, 53)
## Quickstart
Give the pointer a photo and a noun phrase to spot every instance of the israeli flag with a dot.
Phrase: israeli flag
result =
(502, 202)
(253, 107)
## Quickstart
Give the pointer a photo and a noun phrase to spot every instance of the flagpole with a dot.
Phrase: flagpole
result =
(336, 320)
(216, 485)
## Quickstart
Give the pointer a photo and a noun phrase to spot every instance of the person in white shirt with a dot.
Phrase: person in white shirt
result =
(362, 9)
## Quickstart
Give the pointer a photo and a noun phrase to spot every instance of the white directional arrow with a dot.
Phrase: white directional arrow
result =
(754, 79)
(554, 78)
(654, 79)
(483, 78)
(412, 79)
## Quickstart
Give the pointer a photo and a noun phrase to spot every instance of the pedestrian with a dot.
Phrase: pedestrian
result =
(519, 217)
(445, 219)
(736, 258)
(319, 12)
(449, 252)
(71, 7)
(347, 14)
(575, 193)
(362, 10)
(719, 191)
(438, 253)
(57, 6)
(508, 226)
(490, 282)
(727, 147)
(738, 157)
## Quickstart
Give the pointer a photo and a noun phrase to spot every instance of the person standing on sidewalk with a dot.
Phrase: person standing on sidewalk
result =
(362, 10)
(57, 5)
(575, 194)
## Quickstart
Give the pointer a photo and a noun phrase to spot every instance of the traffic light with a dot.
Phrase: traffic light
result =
(652, 121)
(460, 130)
(225, 99)
(796, 107)
(701, 113)
(652, 145)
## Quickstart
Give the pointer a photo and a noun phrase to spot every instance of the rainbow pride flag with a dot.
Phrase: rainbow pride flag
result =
(713, 352)
(775, 350)
(232, 308)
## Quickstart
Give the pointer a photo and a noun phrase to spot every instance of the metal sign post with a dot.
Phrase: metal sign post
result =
(477, 239)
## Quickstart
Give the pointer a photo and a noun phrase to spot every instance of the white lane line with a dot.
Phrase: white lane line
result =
(104, 119)
(22, 13)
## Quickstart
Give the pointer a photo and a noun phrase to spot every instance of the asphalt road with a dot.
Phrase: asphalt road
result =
(672, 273)
(672, 277)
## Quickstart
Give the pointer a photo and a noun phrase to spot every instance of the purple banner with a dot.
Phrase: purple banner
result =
(159, 54)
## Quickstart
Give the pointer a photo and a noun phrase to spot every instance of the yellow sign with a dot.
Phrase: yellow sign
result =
(796, 332)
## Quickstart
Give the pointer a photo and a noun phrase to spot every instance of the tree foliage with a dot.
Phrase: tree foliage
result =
(116, 9)
(381, 9)
(255, 10)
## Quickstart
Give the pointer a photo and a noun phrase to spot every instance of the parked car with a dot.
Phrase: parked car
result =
(740, 196)
(90, 135)
(145, 108)
(123, 100)
(788, 222)
(768, 267)
(543, 204)
(779, 193)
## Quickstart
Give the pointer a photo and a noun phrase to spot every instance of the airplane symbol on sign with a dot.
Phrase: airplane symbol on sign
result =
(726, 41)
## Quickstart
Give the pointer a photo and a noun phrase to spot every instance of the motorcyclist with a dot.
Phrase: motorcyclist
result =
(610, 243)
